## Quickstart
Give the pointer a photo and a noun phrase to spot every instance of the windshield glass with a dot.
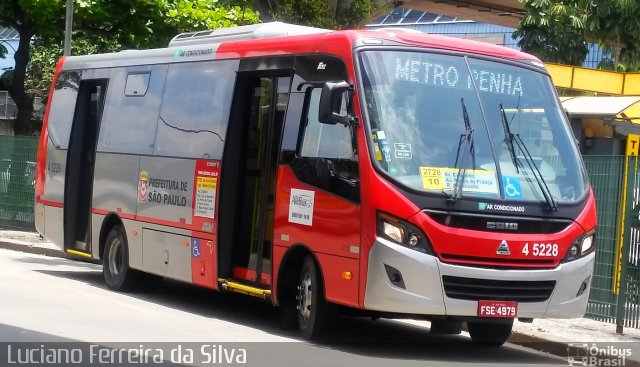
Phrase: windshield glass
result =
(435, 117)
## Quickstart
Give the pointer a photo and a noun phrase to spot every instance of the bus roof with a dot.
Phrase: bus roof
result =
(305, 40)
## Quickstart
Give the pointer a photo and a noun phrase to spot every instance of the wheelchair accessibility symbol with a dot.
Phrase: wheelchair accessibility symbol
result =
(195, 247)
(511, 186)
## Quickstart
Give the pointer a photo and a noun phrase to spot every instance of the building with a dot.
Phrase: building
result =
(457, 27)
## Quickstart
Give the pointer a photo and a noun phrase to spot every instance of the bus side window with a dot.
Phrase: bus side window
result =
(131, 109)
(326, 154)
(63, 105)
(323, 140)
(195, 109)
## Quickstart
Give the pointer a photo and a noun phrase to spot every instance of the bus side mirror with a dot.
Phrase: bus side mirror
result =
(334, 102)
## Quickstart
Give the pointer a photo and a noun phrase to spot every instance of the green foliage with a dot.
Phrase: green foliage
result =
(204, 14)
(555, 30)
(5, 79)
(320, 14)
(102, 26)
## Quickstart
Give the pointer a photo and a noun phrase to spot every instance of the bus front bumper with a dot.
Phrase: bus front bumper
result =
(421, 289)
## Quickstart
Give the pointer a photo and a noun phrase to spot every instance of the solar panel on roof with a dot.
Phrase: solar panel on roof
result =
(8, 34)
(446, 18)
(412, 16)
(428, 18)
(395, 16)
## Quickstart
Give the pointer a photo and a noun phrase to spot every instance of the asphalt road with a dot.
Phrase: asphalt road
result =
(49, 304)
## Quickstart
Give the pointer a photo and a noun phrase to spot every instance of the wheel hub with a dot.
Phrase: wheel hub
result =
(304, 297)
(115, 257)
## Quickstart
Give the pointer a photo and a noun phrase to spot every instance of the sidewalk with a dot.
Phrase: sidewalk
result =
(572, 339)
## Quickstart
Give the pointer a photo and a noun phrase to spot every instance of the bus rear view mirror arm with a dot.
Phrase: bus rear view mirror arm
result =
(335, 103)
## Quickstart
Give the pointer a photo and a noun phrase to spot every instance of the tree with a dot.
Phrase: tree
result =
(100, 26)
(557, 30)
(553, 31)
(332, 14)
(117, 23)
(615, 25)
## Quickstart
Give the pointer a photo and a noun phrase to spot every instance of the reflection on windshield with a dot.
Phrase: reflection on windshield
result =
(420, 130)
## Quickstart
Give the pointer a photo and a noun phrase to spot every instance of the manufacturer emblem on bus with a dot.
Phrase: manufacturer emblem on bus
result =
(512, 226)
(503, 248)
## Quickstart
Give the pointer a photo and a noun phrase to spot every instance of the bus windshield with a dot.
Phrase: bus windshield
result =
(461, 126)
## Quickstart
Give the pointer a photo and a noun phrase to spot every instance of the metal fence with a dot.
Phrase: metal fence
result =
(628, 307)
(615, 287)
(8, 109)
(17, 179)
(607, 178)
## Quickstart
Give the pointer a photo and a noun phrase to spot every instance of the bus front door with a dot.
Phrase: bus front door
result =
(80, 166)
(249, 173)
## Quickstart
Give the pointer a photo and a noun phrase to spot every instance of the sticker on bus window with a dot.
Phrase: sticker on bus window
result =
(403, 150)
(444, 178)
(511, 186)
(142, 186)
(301, 206)
(206, 196)
(386, 150)
(381, 135)
(376, 147)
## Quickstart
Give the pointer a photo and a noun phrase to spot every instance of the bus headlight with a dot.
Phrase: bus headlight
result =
(393, 232)
(587, 244)
(403, 233)
(582, 246)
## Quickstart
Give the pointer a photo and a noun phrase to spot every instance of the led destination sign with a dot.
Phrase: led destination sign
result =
(456, 76)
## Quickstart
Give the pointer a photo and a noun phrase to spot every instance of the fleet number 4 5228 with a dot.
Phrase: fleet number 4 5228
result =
(541, 249)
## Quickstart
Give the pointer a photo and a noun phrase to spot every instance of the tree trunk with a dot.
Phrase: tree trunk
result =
(23, 101)
(616, 61)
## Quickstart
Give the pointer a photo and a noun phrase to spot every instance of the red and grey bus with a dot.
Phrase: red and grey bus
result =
(387, 173)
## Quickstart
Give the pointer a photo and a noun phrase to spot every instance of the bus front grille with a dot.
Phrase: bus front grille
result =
(497, 290)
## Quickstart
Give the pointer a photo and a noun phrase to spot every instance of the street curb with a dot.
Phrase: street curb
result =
(36, 250)
(557, 348)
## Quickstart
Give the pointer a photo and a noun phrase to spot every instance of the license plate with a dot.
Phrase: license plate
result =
(506, 309)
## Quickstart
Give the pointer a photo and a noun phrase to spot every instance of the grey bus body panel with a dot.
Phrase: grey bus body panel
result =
(54, 192)
(142, 57)
(424, 294)
(169, 192)
(165, 254)
(115, 183)
(54, 227)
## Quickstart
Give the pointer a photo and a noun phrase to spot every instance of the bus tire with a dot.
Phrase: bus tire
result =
(314, 314)
(115, 261)
(490, 333)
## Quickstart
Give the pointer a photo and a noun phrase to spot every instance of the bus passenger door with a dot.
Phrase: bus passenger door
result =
(249, 176)
(80, 166)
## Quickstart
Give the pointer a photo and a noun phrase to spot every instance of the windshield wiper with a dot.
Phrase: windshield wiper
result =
(508, 137)
(467, 138)
(542, 183)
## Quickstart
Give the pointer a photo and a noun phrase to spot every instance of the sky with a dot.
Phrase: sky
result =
(8, 60)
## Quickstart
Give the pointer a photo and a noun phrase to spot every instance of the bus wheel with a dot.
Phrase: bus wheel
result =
(490, 333)
(115, 261)
(314, 313)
